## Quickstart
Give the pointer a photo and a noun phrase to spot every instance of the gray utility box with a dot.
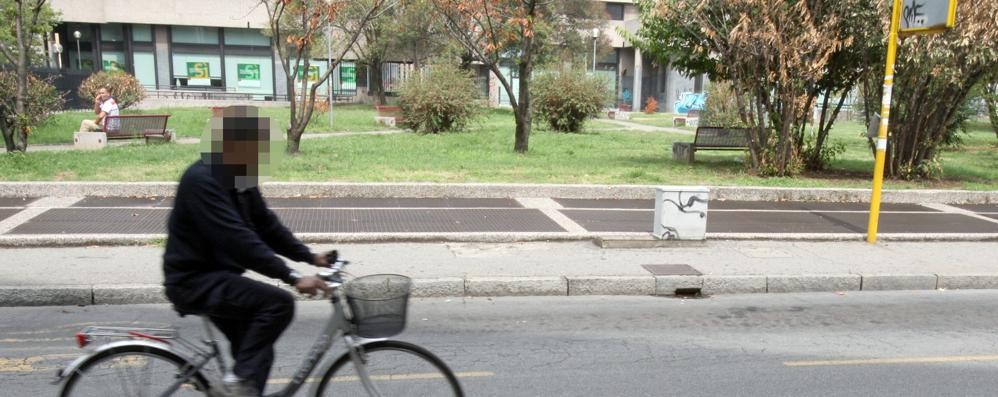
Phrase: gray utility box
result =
(681, 212)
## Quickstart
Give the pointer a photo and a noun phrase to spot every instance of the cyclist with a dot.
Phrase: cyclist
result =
(220, 226)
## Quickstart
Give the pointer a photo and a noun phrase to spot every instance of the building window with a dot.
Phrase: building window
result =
(145, 68)
(615, 11)
(246, 37)
(112, 33)
(81, 57)
(249, 74)
(345, 79)
(113, 61)
(141, 33)
(197, 70)
(194, 35)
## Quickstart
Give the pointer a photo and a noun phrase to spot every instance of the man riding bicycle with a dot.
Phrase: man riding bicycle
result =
(220, 227)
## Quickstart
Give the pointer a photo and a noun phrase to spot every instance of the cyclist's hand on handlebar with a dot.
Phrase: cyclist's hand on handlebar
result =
(325, 259)
(312, 286)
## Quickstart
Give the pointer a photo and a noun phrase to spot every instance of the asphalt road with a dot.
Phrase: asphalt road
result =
(903, 344)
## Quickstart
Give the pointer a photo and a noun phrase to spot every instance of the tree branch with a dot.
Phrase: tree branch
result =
(6, 53)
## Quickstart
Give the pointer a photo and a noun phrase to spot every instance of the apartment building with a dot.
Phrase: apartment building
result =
(638, 77)
(217, 48)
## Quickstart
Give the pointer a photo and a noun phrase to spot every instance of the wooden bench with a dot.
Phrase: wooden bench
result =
(711, 138)
(151, 127)
(389, 115)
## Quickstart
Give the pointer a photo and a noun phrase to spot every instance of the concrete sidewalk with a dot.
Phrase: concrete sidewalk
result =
(493, 266)
(127, 275)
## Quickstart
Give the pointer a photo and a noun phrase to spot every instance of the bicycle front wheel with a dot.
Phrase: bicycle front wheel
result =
(395, 369)
(132, 370)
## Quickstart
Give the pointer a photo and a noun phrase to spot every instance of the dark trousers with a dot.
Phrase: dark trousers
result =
(251, 314)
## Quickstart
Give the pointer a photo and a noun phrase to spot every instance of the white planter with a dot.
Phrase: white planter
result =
(89, 140)
(681, 212)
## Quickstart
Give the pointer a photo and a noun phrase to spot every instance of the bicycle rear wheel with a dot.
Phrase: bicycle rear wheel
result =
(395, 369)
(132, 370)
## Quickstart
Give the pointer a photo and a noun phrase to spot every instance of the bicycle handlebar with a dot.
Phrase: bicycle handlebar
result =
(331, 275)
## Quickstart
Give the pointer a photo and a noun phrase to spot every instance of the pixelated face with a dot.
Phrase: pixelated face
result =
(240, 142)
(103, 94)
(239, 152)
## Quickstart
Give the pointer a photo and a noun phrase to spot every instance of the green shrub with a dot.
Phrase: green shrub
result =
(41, 99)
(124, 88)
(439, 98)
(565, 98)
(721, 107)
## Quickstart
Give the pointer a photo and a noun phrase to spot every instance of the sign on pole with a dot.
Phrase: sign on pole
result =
(907, 17)
(927, 16)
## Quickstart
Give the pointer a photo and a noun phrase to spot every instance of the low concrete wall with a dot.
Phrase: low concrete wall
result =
(155, 103)
(477, 190)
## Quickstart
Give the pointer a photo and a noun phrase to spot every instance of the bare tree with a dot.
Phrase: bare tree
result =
(295, 26)
(517, 31)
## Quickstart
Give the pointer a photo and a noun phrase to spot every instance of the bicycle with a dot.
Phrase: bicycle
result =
(157, 362)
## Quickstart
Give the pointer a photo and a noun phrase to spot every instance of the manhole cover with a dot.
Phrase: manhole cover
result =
(672, 270)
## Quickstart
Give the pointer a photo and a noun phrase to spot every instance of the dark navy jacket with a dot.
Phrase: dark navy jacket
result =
(215, 229)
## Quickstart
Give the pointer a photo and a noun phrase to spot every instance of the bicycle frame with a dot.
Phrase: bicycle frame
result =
(337, 326)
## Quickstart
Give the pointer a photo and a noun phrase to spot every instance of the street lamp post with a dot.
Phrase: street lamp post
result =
(79, 65)
(595, 36)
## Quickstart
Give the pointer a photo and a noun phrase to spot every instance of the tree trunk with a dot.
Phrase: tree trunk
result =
(376, 85)
(293, 144)
(991, 98)
(522, 110)
(20, 135)
(293, 111)
(8, 135)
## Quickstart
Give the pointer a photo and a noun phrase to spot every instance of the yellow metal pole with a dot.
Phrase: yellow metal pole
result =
(885, 116)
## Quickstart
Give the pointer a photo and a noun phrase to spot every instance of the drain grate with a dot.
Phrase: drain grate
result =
(672, 270)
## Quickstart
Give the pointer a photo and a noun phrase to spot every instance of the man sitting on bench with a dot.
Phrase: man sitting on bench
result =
(104, 106)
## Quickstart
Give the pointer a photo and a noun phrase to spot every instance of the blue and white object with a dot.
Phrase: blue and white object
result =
(690, 101)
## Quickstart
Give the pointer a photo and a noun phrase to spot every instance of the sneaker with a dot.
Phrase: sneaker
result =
(244, 388)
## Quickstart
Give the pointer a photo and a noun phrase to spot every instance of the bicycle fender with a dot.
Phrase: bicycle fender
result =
(75, 364)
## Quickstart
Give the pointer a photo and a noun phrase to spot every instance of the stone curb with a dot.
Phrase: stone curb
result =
(713, 285)
(47, 295)
(480, 190)
(611, 285)
(899, 282)
(126, 294)
(625, 241)
(816, 283)
(968, 281)
(515, 286)
(60, 295)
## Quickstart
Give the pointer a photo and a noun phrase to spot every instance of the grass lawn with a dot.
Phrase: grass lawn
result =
(191, 122)
(484, 154)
